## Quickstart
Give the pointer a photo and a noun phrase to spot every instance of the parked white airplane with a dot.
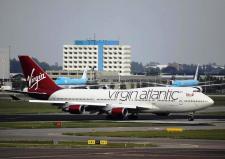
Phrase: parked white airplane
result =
(115, 103)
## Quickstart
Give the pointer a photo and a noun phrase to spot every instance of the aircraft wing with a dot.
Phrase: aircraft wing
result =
(14, 97)
(25, 92)
(158, 84)
(210, 85)
(64, 102)
(48, 101)
(150, 106)
(207, 82)
(16, 91)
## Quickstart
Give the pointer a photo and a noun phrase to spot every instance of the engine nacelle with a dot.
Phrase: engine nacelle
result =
(119, 112)
(198, 88)
(76, 109)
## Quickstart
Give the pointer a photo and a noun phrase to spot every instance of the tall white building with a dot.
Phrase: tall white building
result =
(103, 55)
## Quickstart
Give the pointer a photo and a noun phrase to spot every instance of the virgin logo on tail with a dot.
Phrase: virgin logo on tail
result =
(33, 81)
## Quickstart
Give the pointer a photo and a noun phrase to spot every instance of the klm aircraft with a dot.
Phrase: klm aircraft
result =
(186, 83)
(67, 82)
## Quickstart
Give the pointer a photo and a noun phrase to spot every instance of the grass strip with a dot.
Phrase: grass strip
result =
(24, 107)
(78, 124)
(186, 134)
(222, 113)
(25, 143)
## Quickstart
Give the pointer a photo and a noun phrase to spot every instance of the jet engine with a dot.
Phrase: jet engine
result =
(119, 112)
(76, 109)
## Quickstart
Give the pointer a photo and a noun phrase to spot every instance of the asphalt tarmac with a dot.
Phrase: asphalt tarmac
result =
(72, 117)
(110, 153)
(167, 148)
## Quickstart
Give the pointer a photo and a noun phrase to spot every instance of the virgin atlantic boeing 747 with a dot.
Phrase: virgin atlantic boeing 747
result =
(114, 102)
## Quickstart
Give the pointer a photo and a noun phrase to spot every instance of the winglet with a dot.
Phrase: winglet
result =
(196, 73)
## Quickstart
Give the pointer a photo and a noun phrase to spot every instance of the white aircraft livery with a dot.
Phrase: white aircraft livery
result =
(116, 103)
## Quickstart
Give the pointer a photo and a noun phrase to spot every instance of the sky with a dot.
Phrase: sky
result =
(183, 31)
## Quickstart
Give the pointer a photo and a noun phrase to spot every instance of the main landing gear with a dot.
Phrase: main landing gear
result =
(191, 116)
(133, 116)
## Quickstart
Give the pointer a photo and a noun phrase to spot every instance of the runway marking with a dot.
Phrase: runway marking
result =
(66, 155)
(189, 146)
(105, 153)
(54, 134)
(133, 153)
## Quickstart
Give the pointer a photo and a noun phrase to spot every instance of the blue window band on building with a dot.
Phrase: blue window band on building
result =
(100, 44)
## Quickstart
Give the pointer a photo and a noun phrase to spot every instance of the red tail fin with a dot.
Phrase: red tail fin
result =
(37, 80)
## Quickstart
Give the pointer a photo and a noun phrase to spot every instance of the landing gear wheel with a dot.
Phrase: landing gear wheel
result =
(109, 117)
(124, 117)
(191, 117)
(133, 117)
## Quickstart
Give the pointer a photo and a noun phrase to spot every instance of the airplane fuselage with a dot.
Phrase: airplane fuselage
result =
(156, 99)
(68, 81)
(185, 83)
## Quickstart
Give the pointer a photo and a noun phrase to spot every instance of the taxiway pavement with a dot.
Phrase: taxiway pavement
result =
(72, 117)
(110, 153)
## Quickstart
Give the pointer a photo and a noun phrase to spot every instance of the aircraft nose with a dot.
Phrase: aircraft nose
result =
(210, 101)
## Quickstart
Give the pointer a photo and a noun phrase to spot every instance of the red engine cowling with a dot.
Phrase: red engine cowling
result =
(76, 109)
(119, 112)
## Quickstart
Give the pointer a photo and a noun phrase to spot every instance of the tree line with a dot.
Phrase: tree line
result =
(138, 68)
(15, 66)
(184, 69)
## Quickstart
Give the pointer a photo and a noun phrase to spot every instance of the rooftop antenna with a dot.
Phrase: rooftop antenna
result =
(94, 38)
(9, 59)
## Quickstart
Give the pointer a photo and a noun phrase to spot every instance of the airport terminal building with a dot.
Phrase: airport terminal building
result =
(102, 55)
